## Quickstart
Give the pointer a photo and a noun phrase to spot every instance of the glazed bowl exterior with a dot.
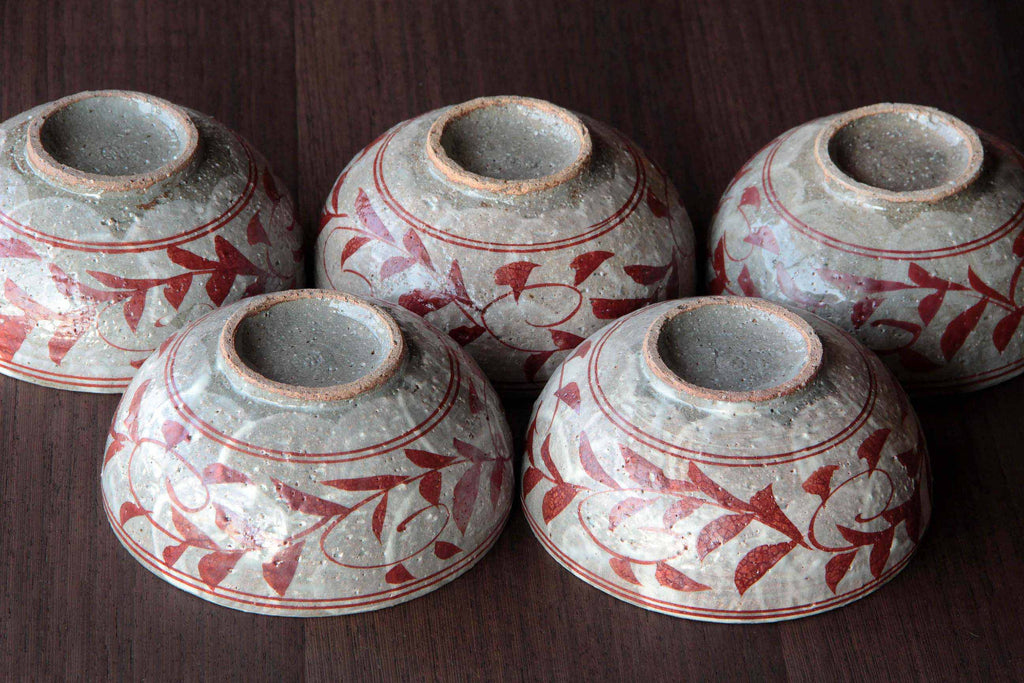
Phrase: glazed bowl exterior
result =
(123, 218)
(899, 223)
(726, 459)
(515, 226)
(237, 471)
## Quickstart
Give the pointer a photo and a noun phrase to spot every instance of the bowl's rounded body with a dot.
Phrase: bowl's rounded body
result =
(726, 510)
(519, 277)
(290, 505)
(931, 283)
(93, 278)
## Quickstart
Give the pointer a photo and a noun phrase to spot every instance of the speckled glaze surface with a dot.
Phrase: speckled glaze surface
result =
(308, 453)
(726, 459)
(897, 222)
(514, 225)
(122, 218)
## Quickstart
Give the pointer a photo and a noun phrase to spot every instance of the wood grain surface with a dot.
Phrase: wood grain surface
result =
(701, 86)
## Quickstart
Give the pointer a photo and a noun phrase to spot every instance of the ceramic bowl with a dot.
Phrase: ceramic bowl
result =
(726, 459)
(308, 453)
(515, 226)
(900, 223)
(122, 218)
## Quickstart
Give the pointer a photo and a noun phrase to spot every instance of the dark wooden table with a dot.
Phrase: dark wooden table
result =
(701, 86)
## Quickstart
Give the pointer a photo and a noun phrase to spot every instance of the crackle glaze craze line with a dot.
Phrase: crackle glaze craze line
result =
(518, 281)
(934, 287)
(285, 507)
(725, 511)
(92, 283)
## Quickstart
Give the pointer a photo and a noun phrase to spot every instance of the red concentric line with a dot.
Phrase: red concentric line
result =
(589, 233)
(888, 254)
(196, 585)
(410, 435)
(720, 459)
(675, 609)
(146, 245)
(17, 369)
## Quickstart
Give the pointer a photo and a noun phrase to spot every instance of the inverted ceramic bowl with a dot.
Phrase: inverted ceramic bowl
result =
(726, 459)
(515, 226)
(900, 223)
(122, 218)
(308, 453)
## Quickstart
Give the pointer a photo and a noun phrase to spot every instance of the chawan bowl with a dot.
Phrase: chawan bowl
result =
(726, 459)
(901, 224)
(308, 453)
(122, 218)
(515, 226)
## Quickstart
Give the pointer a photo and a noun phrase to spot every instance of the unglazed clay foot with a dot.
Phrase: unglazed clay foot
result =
(308, 453)
(123, 218)
(515, 226)
(727, 459)
(897, 222)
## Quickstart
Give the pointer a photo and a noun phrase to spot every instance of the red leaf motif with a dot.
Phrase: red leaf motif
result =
(680, 508)
(837, 567)
(174, 433)
(790, 289)
(231, 258)
(531, 478)
(133, 309)
(930, 305)
(960, 328)
(580, 350)
(657, 207)
(746, 283)
(642, 471)
(428, 460)
(863, 310)
(177, 288)
(475, 404)
(820, 483)
(444, 550)
(721, 281)
(414, 245)
(857, 283)
(306, 503)
(456, 285)
(497, 479)
(398, 574)
(430, 487)
(769, 513)
(464, 497)
(556, 499)
(609, 309)
(565, 341)
(591, 465)
(1005, 329)
(279, 572)
(763, 237)
(378, 483)
(379, 513)
(757, 562)
(423, 301)
(65, 337)
(270, 186)
(570, 394)
(369, 218)
(586, 264)
(254, 232)
(979, 285)
(626, 509)
(129, 510)
(117, 442)
(880, 552)
(670, 577)
(751, 197)
(871, 449)
(12, 248)
(216, 473)
(173, 553)
(466, 334)
(720, 531)
(186, 259)
(514, 275)
(214, 567)
(469, 451)
(713, 490)
(646, 275)
(131, 420)
(395, 265)
(351, 247)
(623, 569)
(190, 533)
(1018, 245)
(534, 363)
(219, 286)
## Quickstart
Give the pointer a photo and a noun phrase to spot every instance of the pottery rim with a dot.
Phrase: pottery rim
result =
(390, 338)
(456, 173)
(967, 137)
(76, 179)
(812, 360)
